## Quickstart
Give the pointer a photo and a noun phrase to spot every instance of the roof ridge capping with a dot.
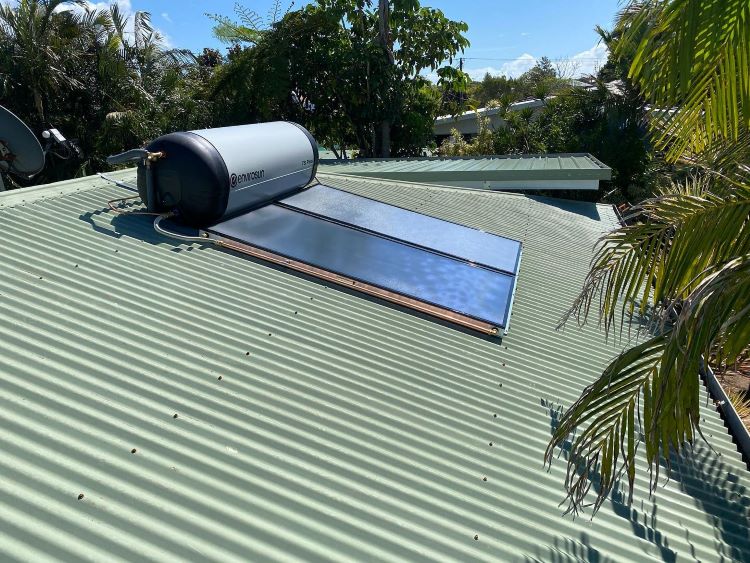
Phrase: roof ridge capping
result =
(564, 171)
(445, 187)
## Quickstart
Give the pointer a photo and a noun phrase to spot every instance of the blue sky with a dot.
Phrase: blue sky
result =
(506, 35)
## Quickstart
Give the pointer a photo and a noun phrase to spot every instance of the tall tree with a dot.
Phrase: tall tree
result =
(44, 43)
(349, 69)
(104, 78)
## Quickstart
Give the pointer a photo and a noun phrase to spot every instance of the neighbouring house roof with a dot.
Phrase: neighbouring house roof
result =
(533, 103)
(312, 422)
(577, 171)
(467, 123)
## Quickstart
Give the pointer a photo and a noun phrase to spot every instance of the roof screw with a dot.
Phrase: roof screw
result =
(494, 415)
(247, 353)
(490, 443)
(220, 378)
(175, 415)
(80, 497)
(476, 536)
(133, 451)
(484, 479)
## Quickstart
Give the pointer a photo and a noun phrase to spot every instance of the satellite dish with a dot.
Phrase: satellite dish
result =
(20, 151)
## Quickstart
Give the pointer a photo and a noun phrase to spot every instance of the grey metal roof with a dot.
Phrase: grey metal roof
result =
(313, 423)
(510, 170)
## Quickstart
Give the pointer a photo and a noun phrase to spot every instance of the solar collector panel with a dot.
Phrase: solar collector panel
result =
(448, 238)
(446, 282)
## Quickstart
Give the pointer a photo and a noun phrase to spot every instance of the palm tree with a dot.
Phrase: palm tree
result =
(692, 62)
(683, 262)
(36, 34)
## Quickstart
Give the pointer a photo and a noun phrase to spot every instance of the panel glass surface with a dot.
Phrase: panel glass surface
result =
(449, 283)
(449, 238)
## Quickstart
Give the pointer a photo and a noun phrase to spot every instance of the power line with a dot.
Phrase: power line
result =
(584, 59)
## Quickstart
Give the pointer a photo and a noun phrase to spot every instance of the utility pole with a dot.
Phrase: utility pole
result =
(384, 17)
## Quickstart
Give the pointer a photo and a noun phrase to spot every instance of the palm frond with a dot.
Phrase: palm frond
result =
(685, 265)
(740, 402)
(658, 378)
(692, 62)
(660, 257)
(607, 408)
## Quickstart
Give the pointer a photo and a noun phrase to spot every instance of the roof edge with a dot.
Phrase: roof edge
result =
(32, 194)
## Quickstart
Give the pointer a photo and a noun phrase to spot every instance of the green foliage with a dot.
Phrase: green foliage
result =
(685, 266)
(482, 144)
(324, 67)
(541, 81)
(111, 84)
(250, 26)
(85, 72)
(521, 134)
(491, 88)
(740, 403)
(609, 126)
(683, 261)
(692, 62)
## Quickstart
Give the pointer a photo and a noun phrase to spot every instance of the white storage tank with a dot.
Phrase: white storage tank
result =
(212, 174)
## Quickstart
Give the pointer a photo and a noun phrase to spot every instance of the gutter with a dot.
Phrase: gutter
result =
(731, 419)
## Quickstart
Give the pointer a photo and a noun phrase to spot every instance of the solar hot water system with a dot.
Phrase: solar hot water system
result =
(253, 189)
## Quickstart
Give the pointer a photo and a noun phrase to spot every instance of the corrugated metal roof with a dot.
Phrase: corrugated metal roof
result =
(312, 423)
(571, 171)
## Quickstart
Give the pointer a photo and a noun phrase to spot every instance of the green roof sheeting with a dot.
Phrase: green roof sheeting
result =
(455, 170)
(313, 423)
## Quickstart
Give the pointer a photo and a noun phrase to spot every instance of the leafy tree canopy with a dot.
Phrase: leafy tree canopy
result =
(323, 66)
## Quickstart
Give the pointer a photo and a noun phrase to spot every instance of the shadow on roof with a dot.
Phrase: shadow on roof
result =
(584, 208)
(702, 475)
(568, 550)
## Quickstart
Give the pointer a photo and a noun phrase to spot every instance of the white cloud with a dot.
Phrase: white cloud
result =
(591, 60)
(511, 69)
(165, 15)
(581, 64)
(525, 34)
